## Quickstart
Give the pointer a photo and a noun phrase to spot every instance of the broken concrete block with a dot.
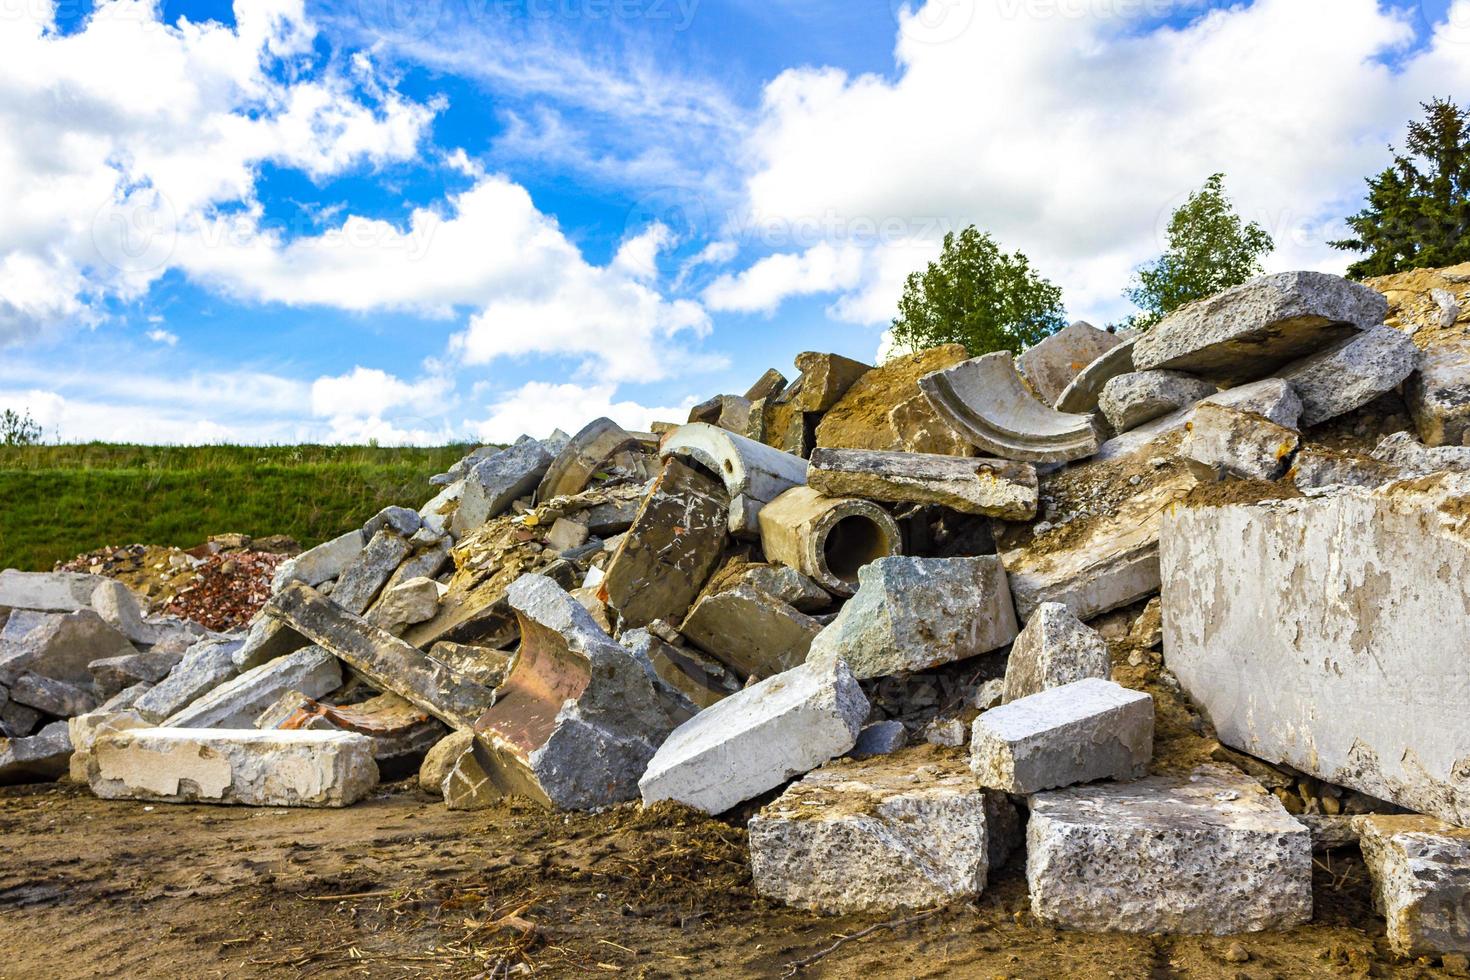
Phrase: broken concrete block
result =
(1054, 649)
(16, 720)
(1240, 444)
(1079, 732)
(783, 582)
(825, 378)
(1250, 330)
(253, 768)
(361, 581)
(771, 384)
(753, 474)
(317, 565)
(238, 702)
(39, 758)
(986, 401)
(729, 412)
(472, 781)
(1351, 373)
(677, 538)
(597, 446)
(1130, 400)
(495, 483)
(1363, 622)
(752, 632)
(388, 663)
(1438, 396)
(1315, 467)
(402, 733)
(827, 539)
(880, 738)
(116, 603)
(413, 601)
(566, 534)
(84, 730)
(699, 679)
(51, 697)
(400, 520)
(438, 513)
(1272, 397)
(58, 645)
(113, 674)
(1051, 365)
(205, 666)
(578, 718)
(886, 410)
(1210, 853)
(481, 665)
(992, 487)
(267, 639)
(1421, 882)
(125, 699)
(916, 613)
(1081, 395)
(441, 759)
(906, 831)
(1403, 453)
(56, 592)
(758, 739)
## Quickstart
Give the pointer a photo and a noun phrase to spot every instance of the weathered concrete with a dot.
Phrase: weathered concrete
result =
(699, 679)
(37, 758)
(1103, 564)
(414, 600)
(1272, 397)
(1053, 364)
(879, 738)
(827, 539)
(52, 697)
(1409, 457)
(567, 535)
(886, 410)
(786, 584)
(676, 539)
(1275, 609)
(752, 632)
(56, 592)
(1130, 400)
(992, 487)
(441, 759)
(825, 378)
(1209, 853)
(1247, 332)
(361, 581)
(477, 664)
(1351, 373)
(1439, 394)
(769, 385)
(238, 702)
(1315, 467)
(1055, 648)
(758, 739)
(119, 607)
(753, 474)
(265, 640)
(205, 666)
(58, 645)
(915, 613)
(389, 663)
(254, 768)
(1089, 729)
(591, 449)
(1080, 397)
(1241, 444)
(403, 521)
(317, 565)
(988, 403)
(578, 718)
(902, 831)
(84, 730)
(1421, 882)
(495, 483)
(112, 674)
(472, 781)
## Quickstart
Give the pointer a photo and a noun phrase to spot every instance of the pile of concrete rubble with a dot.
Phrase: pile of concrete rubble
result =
(909, 622)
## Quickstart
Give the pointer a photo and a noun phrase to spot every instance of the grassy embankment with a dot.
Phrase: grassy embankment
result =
(59, 501)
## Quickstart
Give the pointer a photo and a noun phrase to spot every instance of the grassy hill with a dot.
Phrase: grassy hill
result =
(59, 501)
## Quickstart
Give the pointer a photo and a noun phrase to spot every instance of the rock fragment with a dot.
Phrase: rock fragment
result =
(915, 613)
(205, 666)
(42, 757)
(1351, 373)
(1130, 400)
(1239, 444)
(1210, 853)
(412, 601)
(441, 759)
(753, 474)
(495, 483)
(361, 581)
(991, 487)
(1079, 732)
(1054, 649)
(750, 631)
(238, 702)
(902, 831)
(55, 592)
(253, 768)
(325, 561)
(758, 739)
(1421, 882)
(1053, 364)
(880, 738)
(58, 645)
(1081, 395)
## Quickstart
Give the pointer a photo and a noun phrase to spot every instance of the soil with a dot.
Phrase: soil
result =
(398, 886)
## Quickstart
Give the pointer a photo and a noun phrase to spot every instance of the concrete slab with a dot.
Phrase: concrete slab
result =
(991, 487)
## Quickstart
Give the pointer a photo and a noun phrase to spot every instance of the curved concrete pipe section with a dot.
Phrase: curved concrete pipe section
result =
(1081, 396)
(585, 453)
(988, 403)
(754, 473)
(827, 539)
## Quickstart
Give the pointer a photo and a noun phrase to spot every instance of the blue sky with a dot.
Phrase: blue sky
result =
(424, 220)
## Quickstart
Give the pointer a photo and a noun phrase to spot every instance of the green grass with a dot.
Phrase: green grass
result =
(60, 501)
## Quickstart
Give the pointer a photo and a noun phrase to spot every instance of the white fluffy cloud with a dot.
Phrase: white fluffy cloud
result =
(537, 408)
(1071, 134)
(117, 138)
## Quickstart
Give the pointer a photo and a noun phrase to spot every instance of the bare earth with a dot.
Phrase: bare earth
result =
(399, 886)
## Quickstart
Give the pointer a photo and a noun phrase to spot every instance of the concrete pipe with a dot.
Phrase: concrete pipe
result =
(827, 539)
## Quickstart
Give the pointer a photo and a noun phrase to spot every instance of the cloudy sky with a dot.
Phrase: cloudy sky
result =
(431, 220)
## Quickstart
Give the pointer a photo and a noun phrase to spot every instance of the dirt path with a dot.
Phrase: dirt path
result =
(400, 887)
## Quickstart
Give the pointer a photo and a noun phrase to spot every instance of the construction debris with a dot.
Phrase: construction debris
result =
(992, 487)
(1130, 400)
(827, 539)
(1421, 881)
(1054, 649)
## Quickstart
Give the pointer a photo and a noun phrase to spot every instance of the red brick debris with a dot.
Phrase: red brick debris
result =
(228, 590)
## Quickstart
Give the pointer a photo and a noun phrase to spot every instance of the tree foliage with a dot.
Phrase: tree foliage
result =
(1418, 210)
(18, 429)
(1211, 248)
(978, 296)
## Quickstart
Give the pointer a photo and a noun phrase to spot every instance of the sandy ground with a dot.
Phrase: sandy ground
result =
(400, 887)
